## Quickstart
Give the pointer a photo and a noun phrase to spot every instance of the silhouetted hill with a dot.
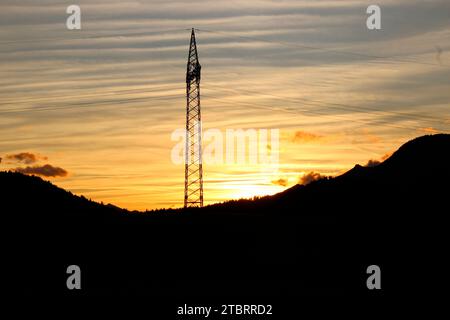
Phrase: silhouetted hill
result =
(421, 162)
(23, 193)
(308, 240)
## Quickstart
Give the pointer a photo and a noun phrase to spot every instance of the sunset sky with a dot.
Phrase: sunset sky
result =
(101, 103)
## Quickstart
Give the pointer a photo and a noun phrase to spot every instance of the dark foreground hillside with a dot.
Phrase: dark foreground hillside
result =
(316, 240)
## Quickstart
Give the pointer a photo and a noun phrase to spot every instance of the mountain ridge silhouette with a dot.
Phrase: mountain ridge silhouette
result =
(423, 152)
(317, 239)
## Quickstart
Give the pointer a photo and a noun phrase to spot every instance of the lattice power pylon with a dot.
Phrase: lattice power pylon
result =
(193, 174)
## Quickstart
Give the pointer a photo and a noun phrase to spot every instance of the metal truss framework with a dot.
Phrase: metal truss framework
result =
(193, 182)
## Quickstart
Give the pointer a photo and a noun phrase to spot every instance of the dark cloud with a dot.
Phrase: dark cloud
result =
(372, 163)
(25, 157)
(281, 182)
(309, 177)
(45, 171)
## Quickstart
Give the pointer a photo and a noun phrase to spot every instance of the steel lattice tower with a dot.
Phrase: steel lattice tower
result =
(193, 174)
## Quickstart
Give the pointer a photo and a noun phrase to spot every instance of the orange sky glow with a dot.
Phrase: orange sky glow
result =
(102, 102)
